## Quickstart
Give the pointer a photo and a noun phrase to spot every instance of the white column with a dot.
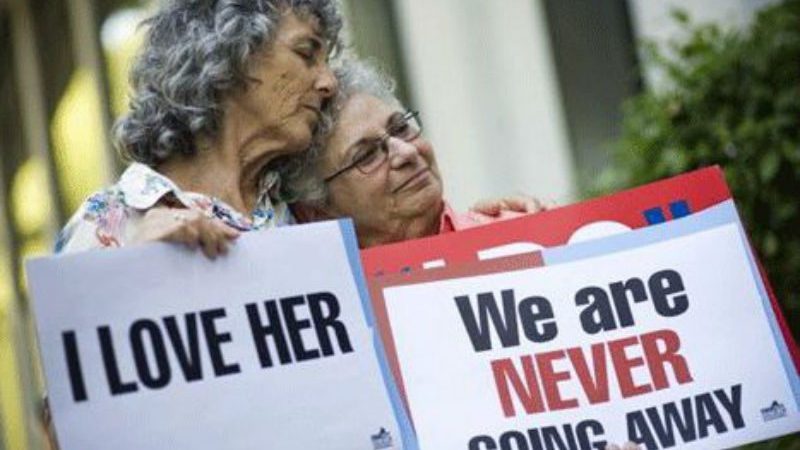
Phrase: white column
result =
(484, 78)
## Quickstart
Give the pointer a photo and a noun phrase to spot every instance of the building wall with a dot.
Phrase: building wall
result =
(482, 73)
(595, 56)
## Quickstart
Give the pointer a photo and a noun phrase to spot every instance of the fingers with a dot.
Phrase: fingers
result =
(189, 236)
(488, 207)
(523, 204)
(519, 203)
(214, 239)
(188, 227)
(211, 235)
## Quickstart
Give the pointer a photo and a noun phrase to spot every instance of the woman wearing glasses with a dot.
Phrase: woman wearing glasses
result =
(371, 162)
(374, 165)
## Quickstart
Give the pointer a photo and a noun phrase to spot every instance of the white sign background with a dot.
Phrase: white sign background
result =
(334, 402)
(725, 339)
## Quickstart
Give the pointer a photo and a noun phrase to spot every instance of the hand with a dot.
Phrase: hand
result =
(522, 204)
(625, 446)
(188, 227)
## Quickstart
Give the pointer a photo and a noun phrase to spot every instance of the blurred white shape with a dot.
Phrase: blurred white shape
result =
(434, 264)
(597, 230)
(515, 248)
(120, 26)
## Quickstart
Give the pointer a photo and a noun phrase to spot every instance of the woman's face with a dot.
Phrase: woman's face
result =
(288, 83)
(406, 187)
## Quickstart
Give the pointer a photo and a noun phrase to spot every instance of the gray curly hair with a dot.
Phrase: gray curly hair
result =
(301, 175)
(196, 52)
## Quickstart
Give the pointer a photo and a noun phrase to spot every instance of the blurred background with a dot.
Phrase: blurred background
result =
(561, 99)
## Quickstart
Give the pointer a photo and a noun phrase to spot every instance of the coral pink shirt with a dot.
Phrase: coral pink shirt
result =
(453, 221)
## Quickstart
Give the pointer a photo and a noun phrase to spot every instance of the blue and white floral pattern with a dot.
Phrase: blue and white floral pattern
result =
(109, 217)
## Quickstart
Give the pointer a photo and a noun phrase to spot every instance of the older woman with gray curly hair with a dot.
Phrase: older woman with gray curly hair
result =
(221, 90)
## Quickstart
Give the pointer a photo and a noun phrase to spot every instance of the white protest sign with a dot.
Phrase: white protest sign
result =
(155, 347)
(662, 336)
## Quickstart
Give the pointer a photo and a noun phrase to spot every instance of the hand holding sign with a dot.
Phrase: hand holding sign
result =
(186, 226)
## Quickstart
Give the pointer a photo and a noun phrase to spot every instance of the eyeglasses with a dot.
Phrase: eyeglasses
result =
(373, 153)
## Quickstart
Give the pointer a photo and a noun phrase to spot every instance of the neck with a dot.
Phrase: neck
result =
(228, 168)
(400, 230)
(209, 173)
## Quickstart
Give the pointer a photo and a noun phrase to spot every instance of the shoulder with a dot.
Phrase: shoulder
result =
(103, 220)
(98, 223)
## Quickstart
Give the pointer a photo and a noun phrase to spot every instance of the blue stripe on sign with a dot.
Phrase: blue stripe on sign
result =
(654, 216)
(354, 258)
(679, 209)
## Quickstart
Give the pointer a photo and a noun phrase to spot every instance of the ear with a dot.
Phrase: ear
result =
(305, 213)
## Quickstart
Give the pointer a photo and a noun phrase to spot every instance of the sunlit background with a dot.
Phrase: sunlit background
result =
(517, 96)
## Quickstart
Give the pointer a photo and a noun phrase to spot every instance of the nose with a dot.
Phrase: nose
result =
(326, 83)
(401, 152)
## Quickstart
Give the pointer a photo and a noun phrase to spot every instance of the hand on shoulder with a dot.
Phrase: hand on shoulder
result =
(511, 206)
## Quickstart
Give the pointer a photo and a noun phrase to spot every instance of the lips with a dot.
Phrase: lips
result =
(317, 112)
(413, 180)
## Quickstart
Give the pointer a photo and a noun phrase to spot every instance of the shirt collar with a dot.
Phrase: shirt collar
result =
(267, 212)
(143, 187)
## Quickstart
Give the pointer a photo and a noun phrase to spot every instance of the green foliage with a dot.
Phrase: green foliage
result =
(730, 97)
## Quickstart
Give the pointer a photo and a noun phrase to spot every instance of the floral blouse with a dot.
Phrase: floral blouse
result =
(109, 218)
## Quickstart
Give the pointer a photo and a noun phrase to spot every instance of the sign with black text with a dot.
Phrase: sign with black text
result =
(664, 336)
(156, 347)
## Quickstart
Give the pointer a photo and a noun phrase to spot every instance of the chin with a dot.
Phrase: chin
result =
(299, 140)
(429, 204)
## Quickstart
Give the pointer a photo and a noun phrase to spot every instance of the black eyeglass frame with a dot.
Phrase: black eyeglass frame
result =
(381, 141)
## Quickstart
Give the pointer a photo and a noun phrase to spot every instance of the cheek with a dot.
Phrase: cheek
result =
(363, 198)
(284, 90)
(301, 79)
(287, 86)
(372, 191)
(425, 150)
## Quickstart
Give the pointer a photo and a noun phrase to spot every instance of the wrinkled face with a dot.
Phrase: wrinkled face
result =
(288, 83)
(406, 187)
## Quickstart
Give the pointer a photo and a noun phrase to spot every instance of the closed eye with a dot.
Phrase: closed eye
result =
(309, 49)
(305, 54)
